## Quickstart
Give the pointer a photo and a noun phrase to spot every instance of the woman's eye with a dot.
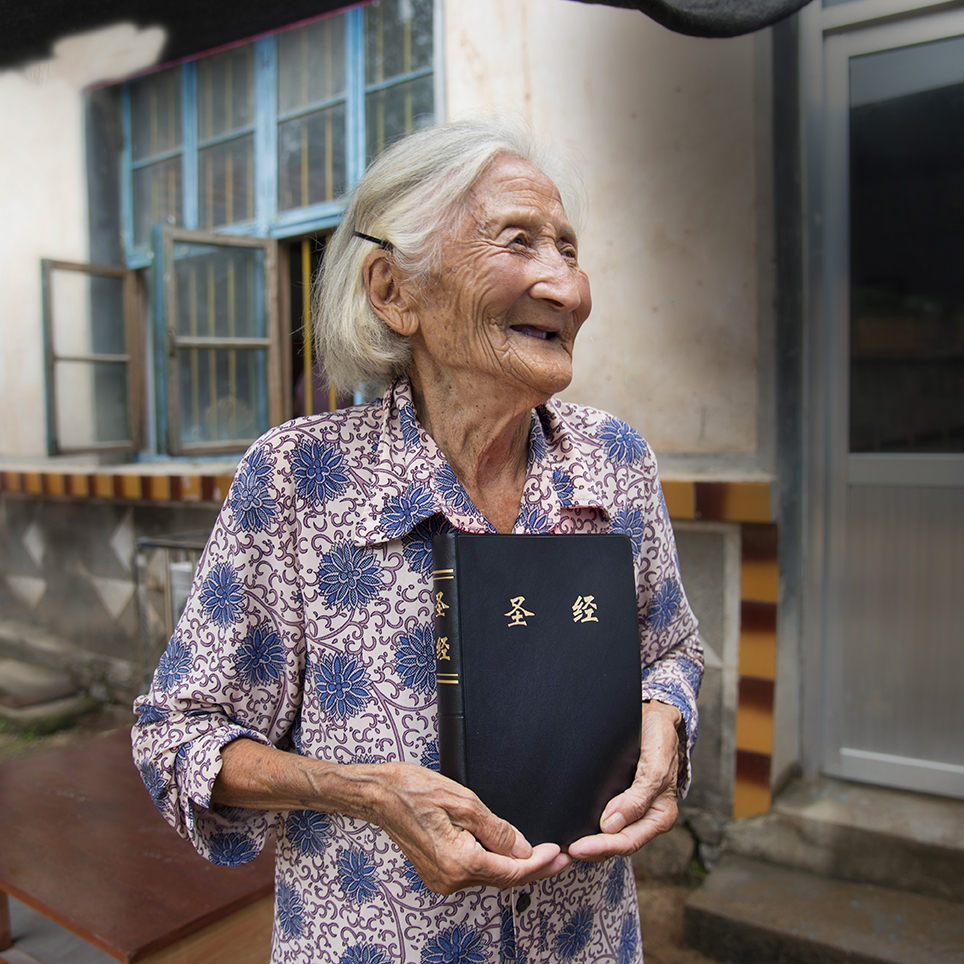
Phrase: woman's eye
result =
(568, 252)
(520, 241)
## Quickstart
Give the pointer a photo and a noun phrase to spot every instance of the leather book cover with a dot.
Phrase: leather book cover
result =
(539, 676)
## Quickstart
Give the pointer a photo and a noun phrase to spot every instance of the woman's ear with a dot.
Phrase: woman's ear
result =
(387, 293)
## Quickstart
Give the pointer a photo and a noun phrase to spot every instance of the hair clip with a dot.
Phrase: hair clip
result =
(387, 245)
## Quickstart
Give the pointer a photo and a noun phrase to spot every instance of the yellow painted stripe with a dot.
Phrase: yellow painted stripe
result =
(79, 485)
(130, 486)
(754, 729)
(750, 798)
(55, 483)
(103, 486)
(680, 499)
(760, 580)
(159, 487)
(746, 502)
(758, 653)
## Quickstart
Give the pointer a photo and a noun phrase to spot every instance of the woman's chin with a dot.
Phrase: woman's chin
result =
(545, 368)
(546, 382)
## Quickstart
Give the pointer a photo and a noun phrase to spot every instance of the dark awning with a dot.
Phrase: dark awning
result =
(30, 28)
(711, 18)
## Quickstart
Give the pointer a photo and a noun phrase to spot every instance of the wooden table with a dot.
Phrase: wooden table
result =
(81, 842)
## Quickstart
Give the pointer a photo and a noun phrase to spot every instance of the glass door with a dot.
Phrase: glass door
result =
(894, 283)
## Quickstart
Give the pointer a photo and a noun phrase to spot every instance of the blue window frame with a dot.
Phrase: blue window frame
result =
(224, 156)
(267, 138)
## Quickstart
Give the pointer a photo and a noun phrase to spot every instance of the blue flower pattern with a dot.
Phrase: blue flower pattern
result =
(316, 637)
(451, 490)
(533, 519)
(429, 757)
(173, 666)
(147, 714)
(575, 935)
(455, 945)
(261, 656)
(630, 521)
(319, 471)
(154, 780)
(401, 512)
(507, 947)
(349, 577)
(417, 544)
(415, 883)
(562, 483)
(615, 884)
(251, 494)
(364, 954)
(415, 659)
(623, 443)
(342, 685)
(289, 910)
(357, 875)
(664, 605)
(628, 941)
(408, 422)
(308, 831)
(232, 849)
(222, 595)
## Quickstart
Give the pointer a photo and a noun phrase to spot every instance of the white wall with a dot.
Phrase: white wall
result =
(665, 129)
(665, 126)
(43, 203)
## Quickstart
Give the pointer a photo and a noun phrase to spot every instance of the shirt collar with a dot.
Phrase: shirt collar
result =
(412, 480)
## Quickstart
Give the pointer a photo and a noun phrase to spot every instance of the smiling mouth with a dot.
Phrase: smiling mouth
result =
(531, 332)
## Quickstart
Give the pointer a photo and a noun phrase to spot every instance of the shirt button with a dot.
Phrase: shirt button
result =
(522, 904)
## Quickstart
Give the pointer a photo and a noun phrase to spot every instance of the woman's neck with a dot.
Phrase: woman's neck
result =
(484, 435)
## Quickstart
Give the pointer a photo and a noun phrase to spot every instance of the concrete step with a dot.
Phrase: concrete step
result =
(26, 684)
(751, 912)
(850, 831)
(47, 717)
(104, 677)
(37, 698)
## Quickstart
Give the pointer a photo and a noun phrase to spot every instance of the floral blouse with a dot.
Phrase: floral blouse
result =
(309, 627)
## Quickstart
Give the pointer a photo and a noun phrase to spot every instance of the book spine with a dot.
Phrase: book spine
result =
(448, 658)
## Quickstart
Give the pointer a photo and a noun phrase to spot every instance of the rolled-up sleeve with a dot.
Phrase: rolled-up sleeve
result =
(234, 666)
(672, 653)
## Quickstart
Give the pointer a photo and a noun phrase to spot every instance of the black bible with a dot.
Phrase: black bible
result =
(539, 677)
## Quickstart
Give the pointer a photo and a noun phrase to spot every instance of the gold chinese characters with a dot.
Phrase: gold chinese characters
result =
(583, 611)
(517, 612)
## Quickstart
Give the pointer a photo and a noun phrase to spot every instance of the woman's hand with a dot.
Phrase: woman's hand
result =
(648, 807)
(452, 839)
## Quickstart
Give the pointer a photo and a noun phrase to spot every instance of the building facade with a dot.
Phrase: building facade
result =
(741, 323)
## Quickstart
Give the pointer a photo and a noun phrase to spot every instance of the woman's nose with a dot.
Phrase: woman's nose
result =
(559, 280)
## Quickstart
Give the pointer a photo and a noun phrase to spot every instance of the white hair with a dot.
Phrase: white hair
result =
(408, 197)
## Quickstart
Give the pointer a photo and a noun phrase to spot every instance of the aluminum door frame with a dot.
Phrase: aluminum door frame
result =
(829, 38)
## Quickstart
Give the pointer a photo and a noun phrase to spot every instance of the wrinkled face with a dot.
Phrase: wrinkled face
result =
(510, 297)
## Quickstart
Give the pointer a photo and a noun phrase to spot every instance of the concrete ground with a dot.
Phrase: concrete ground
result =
(660, 901)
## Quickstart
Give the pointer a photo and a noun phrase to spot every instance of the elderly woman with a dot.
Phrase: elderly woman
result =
(298, 690)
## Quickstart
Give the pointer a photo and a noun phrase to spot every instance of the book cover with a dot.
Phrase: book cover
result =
(539, 676)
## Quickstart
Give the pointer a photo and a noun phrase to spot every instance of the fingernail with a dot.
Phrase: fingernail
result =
(522, 849)
(614, 823)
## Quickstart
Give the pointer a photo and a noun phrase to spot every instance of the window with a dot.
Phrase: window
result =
(268, 137)
(90, 340)
(221, 340)
(227, 160)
